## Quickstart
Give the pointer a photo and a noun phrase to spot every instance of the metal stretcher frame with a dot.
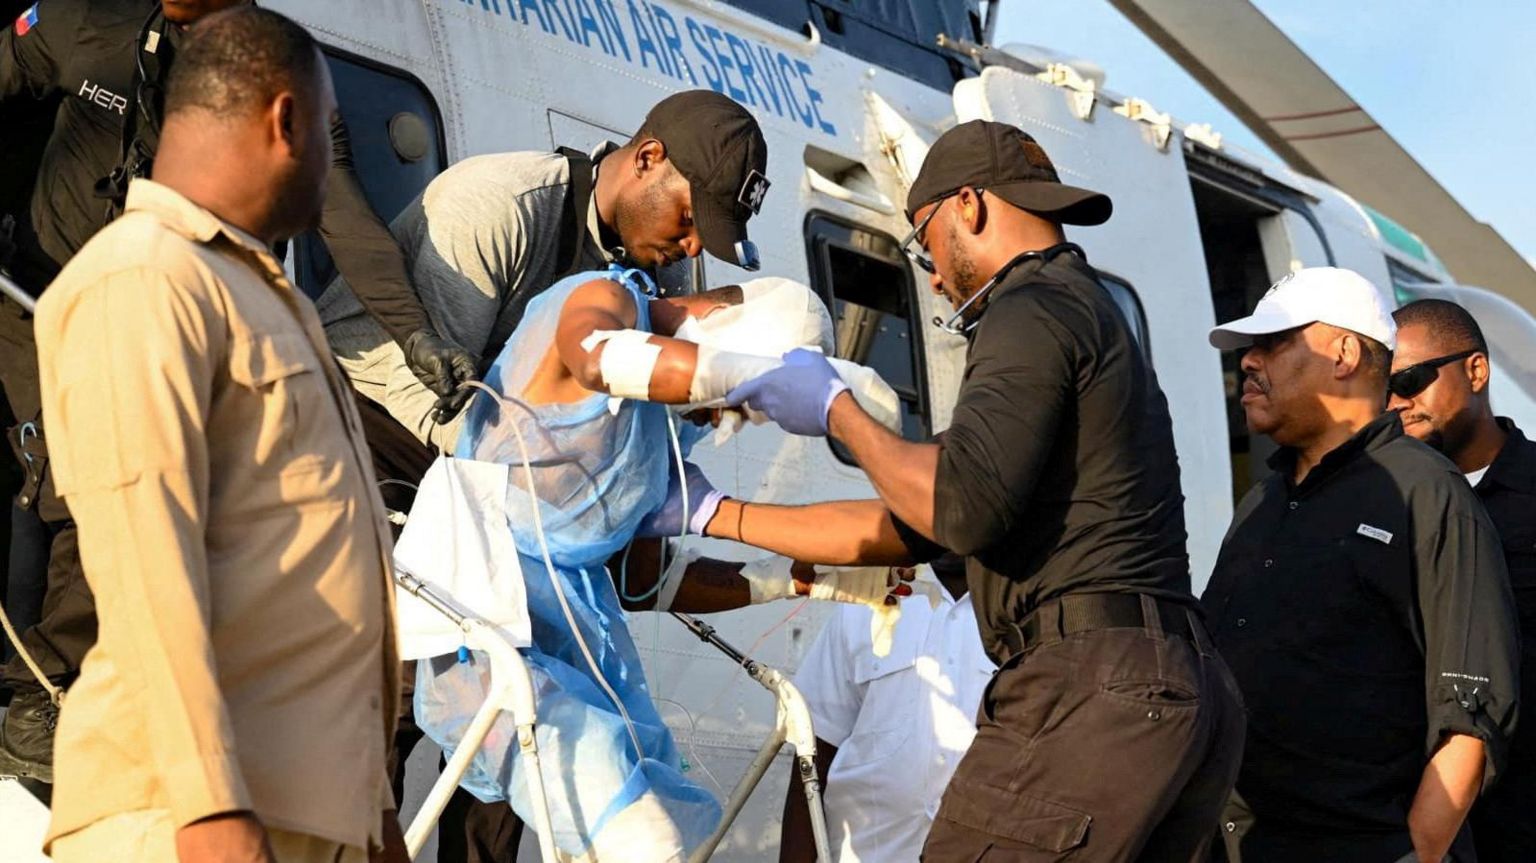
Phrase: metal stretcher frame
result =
(512, 692)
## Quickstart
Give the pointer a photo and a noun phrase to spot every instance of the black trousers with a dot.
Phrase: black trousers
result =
(1107, 745)
(26, 571)
(469, 831)
(67, 626)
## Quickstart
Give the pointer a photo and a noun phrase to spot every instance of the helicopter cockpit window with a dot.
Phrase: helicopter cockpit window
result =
(868, 285)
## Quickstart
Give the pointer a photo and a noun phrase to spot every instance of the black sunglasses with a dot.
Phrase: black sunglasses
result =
(919, 255)
(1409, 382)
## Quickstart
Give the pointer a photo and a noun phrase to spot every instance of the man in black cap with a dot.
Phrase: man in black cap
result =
(493, 231)
(1112, 730)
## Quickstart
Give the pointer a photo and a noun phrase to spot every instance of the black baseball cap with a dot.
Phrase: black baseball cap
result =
(1009, 164)
(719, 149)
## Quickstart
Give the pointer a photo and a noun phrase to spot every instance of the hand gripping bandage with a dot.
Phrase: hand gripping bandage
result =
(717, 372)
(629, 360)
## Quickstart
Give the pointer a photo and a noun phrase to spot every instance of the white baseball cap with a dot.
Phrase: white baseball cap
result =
(1326, 295)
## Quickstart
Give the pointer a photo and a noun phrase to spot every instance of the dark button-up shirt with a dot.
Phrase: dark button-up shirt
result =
(1508, 492)
(1365, 613)
(1058, 472)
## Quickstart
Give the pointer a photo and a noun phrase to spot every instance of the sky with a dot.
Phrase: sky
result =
(1454, 81)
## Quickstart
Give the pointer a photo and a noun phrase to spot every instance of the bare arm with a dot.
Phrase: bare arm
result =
(1446, 793)
(601, 305)
(796, 843)
(837, 533)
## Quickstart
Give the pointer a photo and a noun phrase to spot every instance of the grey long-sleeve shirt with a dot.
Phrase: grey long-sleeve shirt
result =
(480, 241)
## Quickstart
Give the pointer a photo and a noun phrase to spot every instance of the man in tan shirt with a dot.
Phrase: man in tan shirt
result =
(239, 702)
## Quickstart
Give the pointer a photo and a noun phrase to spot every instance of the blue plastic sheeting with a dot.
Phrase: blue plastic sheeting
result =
(613, 785)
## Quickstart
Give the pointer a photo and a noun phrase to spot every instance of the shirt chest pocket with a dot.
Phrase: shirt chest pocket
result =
(892, 704)
(1333, 591)
(279, 378)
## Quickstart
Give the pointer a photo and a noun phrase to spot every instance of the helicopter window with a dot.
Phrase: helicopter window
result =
(397, 148)
(868, 285)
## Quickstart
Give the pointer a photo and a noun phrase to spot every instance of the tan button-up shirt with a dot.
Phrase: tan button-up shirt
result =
(209, 449)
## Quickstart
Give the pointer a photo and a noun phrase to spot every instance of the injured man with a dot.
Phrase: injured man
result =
(596, 402)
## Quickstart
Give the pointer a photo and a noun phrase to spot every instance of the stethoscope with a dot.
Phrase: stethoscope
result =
(956, 325)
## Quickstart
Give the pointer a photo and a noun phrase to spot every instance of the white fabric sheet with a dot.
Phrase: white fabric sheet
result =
(457, 540)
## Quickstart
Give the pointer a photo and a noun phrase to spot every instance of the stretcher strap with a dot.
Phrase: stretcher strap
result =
(55, 693)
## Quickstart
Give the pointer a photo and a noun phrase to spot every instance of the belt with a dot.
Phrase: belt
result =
(1084, 612)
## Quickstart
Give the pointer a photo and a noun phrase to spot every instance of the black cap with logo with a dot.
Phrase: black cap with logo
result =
(1008, 163)
(719, 149)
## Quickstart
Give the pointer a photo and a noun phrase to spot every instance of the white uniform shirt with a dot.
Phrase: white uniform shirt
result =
(900, 723)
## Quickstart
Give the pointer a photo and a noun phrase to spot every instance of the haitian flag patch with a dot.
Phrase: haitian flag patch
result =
(27, 21)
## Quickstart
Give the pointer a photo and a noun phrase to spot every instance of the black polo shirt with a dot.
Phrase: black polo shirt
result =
(1057, 473)
(1365, 613)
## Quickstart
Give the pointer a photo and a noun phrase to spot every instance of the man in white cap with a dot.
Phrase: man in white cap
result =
(1360, 598)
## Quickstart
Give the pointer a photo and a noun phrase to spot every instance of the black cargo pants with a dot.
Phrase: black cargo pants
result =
(66, 628)
(1112, 744)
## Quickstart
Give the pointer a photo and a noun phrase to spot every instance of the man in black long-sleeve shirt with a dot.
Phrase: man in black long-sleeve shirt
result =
(106, 60)
(1112, 730)
(1361, 599)
(1440, 383)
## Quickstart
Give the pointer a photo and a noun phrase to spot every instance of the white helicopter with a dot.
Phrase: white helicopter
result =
(849, 95)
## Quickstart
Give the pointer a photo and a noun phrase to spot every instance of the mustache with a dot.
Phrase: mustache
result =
(1255, 384)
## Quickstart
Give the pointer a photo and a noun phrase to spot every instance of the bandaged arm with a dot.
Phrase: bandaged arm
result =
(598, 343)
(707, 585)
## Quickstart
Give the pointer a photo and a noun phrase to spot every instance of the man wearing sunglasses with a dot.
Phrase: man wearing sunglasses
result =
(1361, 599)
(1440, 389)
(1111, 731)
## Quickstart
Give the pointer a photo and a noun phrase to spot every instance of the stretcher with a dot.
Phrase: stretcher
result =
(512, 691)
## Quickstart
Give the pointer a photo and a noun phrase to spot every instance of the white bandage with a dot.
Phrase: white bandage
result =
(769, 578)
(628, 361)
(871, 586)
(867, 585)
(717, 372)
(871, 391)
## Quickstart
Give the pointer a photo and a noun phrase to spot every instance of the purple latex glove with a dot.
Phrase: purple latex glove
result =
(703, 501)
(796, 395)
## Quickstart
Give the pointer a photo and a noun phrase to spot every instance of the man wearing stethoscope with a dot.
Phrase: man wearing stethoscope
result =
(1112, 730)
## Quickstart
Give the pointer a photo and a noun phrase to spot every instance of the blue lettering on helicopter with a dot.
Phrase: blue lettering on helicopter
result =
(693, 52)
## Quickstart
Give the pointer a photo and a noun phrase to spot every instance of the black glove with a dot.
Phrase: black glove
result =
(442, 366)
